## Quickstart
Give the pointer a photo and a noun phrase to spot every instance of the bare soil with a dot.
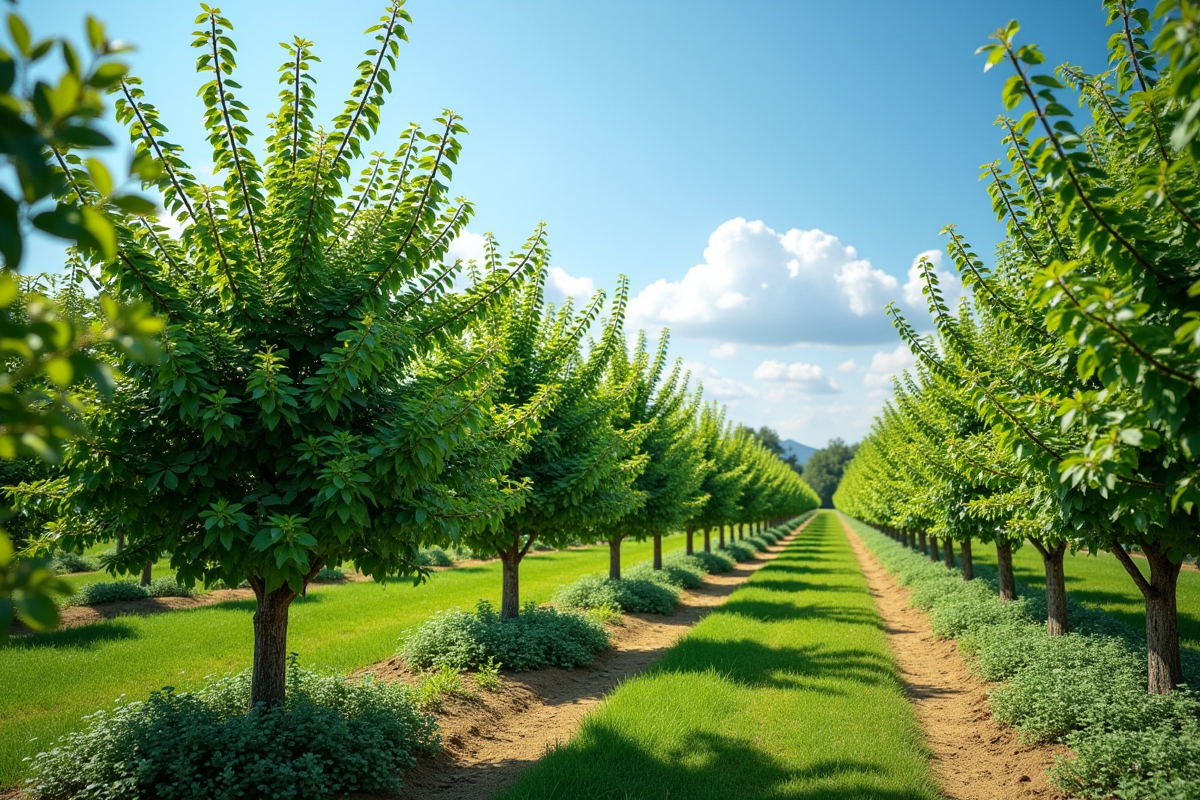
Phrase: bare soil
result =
(489, 740)
(975, 758)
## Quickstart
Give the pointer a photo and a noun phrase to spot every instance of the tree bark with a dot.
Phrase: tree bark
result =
(614, 558)
(691, 544)
(1056, 588)
(1164, 671)
(510, 592)
(924, 546)
(968, 568)
(146, 573)
(1008, 585)
(948, 551)
(707, 540)
(933, 549)
(658, 551)
(721, 537)
(120, 541)
(268, 681)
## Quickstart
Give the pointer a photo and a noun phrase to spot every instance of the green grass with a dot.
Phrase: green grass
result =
(161, 569)
(51, 680)
(788, 690)
(1101, 582)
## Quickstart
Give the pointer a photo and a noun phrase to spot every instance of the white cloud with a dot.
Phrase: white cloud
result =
(727, 350)
(948, 282)
(468, 247)
(885, 366)
(847, 366)
(717, 387)
(758, 286)
(560, 285)
(799, 377)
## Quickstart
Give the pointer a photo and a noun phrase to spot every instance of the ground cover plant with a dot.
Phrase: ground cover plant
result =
(95, 594)
(682, 572)
(739, 551)
(787, 690)
(1086, 689)
(339, 736)
(538, 637)
(714, 562)
(53, 679)
(631, 595)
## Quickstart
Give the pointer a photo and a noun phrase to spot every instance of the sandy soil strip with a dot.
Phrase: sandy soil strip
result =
(975, 758)
(488, 742)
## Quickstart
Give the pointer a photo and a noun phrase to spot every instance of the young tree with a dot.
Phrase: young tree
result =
(675, 469)
(315, 400)
(579, 468)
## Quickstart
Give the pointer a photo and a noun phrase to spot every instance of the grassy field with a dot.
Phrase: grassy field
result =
(789, 690)
(1101, 582)
(51, 680)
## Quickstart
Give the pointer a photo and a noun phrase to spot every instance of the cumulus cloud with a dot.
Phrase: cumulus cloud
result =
(727, 350)
(847, 366)
(949, 283)
(801, 378)
(560, 285)
(718, 387)
(758, 286)
(885, 366)
(467, 246)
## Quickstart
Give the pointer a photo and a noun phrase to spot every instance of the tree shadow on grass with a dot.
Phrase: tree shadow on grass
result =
(83, 637)
(603, 763)
(754, 663)
(770, 611)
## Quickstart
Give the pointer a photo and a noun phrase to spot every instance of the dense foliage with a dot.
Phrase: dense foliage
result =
(1059, 404)
(633, 595)
(824, 468)
(333, 736)
(538, 638)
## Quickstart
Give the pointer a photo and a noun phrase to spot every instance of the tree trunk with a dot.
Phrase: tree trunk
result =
(910, 539)
(268, 682)
(721, 537)
(948, 551)
(120, 541)
(1008, 585)
(933, 549)
(614, 559)
(1056, 588)
(146, 573)
(924, 546)
(707, 540)
(510, 592)
(658, 551)
(1164, 671)
(691, 544)
(968, 568)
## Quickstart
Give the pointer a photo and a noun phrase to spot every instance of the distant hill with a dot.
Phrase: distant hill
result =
(802, 452)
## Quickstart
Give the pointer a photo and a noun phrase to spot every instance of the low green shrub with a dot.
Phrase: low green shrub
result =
(678, 573)
(1086, 689)
(65, 562)
(631, 595)
(712, 563)
(539, 637)
(758, 543)
(95, 594)
(334, 736)
(330, 574)
(739, 551)
(439, 683)
(434, 557)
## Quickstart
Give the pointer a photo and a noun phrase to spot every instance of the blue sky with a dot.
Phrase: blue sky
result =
(765, 172)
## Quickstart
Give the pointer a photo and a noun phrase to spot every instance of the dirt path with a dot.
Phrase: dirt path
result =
(488, 742)
(975, 758)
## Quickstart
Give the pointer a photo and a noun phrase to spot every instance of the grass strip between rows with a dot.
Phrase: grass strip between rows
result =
(788, 690)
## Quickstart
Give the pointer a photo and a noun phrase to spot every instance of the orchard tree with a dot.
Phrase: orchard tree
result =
(316, 402)
(670, 483)
(580, 466)
(724, 483)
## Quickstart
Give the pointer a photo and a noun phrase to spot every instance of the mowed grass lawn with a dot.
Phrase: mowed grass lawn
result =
(1101, 582)
(52, 680)
(788, 690)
